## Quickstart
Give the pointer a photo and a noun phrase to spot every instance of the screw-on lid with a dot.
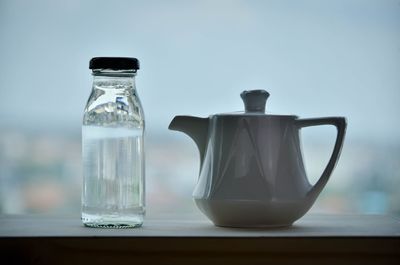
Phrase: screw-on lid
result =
(114, 63)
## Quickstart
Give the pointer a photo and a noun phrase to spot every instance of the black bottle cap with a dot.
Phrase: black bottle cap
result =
(114, 63)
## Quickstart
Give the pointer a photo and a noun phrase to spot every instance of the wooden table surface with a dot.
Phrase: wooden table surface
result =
(314, 239)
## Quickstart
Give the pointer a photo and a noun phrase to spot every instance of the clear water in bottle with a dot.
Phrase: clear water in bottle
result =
(113, 154)
(113, 192)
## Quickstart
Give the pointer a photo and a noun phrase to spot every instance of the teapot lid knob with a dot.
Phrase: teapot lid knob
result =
(254, 100)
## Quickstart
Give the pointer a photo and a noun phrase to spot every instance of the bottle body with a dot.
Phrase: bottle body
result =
(113, 153)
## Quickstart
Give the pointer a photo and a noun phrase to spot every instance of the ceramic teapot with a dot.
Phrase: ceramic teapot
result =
(251, 170)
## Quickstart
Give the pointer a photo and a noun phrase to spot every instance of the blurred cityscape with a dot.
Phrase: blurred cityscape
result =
(316, 58)
(41, 173)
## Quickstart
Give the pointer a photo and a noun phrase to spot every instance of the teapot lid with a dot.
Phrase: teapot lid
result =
(254, 100)
(254, 104)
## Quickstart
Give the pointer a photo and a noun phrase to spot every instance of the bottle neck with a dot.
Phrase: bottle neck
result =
(107, 79)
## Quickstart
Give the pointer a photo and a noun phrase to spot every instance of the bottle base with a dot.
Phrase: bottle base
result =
(112, 221)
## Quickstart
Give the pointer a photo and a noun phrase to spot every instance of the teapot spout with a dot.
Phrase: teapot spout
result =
(196, 128)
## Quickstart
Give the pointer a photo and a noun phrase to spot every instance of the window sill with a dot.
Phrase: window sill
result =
(357, 239)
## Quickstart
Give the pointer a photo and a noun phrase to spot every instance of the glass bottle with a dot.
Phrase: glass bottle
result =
(112, 147)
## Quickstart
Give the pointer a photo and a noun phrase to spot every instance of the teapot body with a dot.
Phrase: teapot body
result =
(250, 166)
(251, 169)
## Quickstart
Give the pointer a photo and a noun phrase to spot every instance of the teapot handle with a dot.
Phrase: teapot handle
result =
(340, 124)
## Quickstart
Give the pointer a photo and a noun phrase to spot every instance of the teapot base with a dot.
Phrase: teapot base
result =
(234, 225)
(250, 213)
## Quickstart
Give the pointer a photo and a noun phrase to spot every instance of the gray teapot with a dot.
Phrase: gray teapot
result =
(251, 170)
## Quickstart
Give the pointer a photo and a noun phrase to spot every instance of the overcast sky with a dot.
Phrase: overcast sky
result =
(316, 58)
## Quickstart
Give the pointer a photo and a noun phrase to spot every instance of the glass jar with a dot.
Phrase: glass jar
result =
(113, 194)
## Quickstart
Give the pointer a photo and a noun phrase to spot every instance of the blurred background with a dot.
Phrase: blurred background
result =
(316, 58)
